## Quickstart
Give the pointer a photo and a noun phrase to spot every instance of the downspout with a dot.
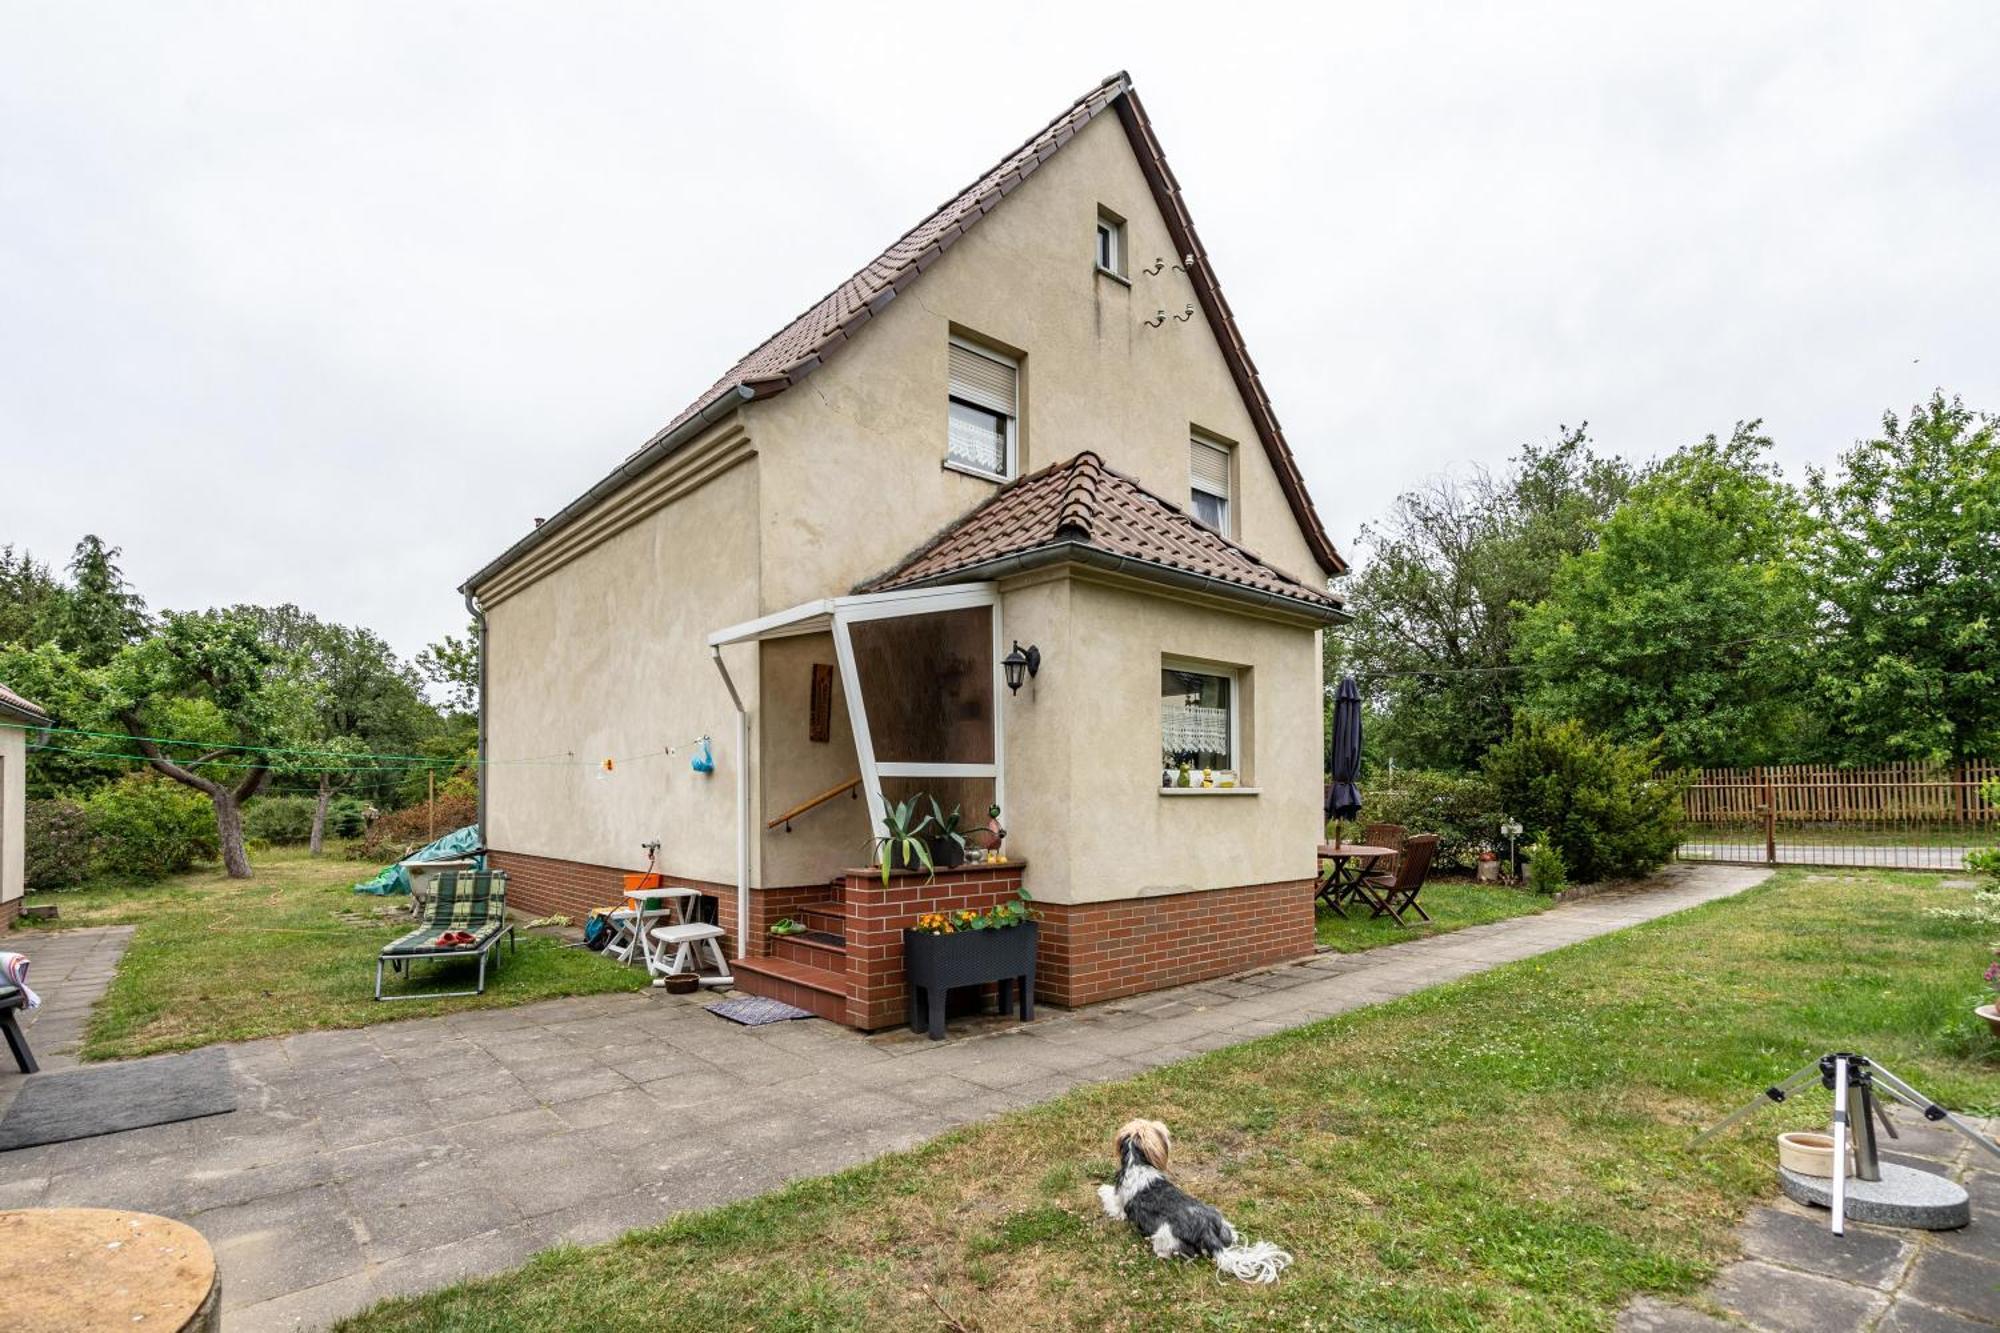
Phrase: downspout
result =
(479, 619)
(742, 807)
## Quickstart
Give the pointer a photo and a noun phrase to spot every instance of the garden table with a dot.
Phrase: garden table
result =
(1342, 866)
(645, 916)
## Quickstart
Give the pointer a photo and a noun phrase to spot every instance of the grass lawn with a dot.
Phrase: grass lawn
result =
(1453, 904)
(1508, 1151)
(216, 959)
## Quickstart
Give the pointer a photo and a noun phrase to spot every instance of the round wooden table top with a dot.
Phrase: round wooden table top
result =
(1347, 849)
(75, 1270)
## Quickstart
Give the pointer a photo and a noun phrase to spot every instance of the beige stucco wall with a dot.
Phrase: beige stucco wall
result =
(854, 476)
(1083, 756)
(606, 656)
(13, 804)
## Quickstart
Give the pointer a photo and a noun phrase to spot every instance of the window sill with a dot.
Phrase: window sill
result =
(1114, 275)
(1211, 791)
(966, 470)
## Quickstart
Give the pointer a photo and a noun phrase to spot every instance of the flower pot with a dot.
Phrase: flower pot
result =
(1991, 1013)
(683, 983)
(947, 853)
(936, 963)
(1809, 1153)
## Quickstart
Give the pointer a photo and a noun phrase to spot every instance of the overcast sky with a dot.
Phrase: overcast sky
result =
(324, 303)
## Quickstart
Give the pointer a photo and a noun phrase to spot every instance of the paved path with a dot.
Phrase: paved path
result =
(402, 1157)
(1795, 1275)
(70, 970)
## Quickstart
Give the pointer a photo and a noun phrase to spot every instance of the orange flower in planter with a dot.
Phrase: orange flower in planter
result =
(935, 923)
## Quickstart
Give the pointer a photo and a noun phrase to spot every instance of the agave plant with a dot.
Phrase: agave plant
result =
(902, 841)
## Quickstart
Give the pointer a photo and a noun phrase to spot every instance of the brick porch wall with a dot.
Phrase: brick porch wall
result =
(1100, 951)
(877, 915)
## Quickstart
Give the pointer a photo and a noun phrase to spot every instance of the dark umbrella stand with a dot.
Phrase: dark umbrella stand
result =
(1343, 756)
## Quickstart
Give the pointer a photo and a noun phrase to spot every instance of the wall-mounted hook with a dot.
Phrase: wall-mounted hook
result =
(1156, 320)
(1185, 315)
(1189, 261)
(1159, 266)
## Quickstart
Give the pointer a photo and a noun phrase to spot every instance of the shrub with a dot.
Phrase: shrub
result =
(1546, 871)
(346, 817)
(279, 819)
(1597, 803)
(144, 827)
(1462, 810)
(56, 842)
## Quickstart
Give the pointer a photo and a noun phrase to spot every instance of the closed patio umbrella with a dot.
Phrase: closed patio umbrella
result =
(1343, 755)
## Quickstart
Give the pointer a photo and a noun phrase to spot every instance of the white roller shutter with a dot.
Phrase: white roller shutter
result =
(982, 379)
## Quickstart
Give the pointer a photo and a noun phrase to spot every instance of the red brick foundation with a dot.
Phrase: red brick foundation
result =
(9, 910)
(877, 915)
(1088, 951)
(1100, 951)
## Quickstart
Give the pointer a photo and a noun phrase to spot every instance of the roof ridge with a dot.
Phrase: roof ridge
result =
(1078, 512)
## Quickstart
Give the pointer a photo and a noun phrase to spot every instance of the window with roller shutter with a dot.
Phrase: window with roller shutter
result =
(1208, 482)
(984, 407)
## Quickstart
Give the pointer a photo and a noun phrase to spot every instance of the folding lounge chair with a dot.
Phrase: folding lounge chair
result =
(11, 999)
(1396, 893)
(475, 904)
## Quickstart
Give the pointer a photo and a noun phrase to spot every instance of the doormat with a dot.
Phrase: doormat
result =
(84, 1103)
(756, 1011)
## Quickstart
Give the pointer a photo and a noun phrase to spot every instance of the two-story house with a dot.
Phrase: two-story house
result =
(1029, 424)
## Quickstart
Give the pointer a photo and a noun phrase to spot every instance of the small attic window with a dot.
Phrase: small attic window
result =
(1208, 481)
(1110, 243)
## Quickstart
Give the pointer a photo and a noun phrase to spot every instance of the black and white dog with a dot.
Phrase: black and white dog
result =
(1178, 1225)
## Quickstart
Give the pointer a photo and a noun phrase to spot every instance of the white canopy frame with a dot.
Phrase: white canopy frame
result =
(837, 615)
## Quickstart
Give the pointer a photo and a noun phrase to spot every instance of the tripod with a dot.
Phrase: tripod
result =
(1844, 1073)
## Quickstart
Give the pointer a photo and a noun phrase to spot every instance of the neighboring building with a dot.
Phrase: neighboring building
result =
(18, 717)
(1030, 421)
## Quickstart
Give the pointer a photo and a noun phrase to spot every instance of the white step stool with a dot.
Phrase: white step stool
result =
(686, 941)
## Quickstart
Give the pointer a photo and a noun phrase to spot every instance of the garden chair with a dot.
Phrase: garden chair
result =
(12, 999)
(1395, 893)
(469, 909)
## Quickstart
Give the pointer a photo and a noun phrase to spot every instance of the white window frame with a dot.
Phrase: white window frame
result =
(1228, 525)
(1234, 675)
(1013, 419)
(1111, 223)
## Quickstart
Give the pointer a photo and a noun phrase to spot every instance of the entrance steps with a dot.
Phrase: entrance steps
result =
(808, 970)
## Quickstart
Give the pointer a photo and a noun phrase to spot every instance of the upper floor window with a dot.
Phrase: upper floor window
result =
(1208, 482)
(984, 409)
(1110, 243)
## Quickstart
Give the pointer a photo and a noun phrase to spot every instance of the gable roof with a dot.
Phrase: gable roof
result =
(13, 706)
(802, 346)
(1082, 511)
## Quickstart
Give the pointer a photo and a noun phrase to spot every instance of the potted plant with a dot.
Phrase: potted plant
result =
(1990, 1011)
(903, 845)
(947, 843)
(965, 947)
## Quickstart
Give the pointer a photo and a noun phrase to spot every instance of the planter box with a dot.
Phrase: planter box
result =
(936, 963)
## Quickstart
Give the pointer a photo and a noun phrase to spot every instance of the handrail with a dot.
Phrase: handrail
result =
(818, 800)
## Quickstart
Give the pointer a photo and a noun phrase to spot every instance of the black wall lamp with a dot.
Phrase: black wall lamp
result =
(1021, 664)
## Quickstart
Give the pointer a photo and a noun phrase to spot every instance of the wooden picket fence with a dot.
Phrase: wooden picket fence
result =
(1902, 815)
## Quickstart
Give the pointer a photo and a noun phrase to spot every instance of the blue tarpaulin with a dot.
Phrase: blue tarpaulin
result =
(452, 846)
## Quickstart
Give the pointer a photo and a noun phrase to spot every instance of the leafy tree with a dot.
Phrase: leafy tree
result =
(1907, 568)
(1689, 621)
(100, 613)
(208, 677)
(30, 599)
(452, 664)
(363, 700)
(1436, 605)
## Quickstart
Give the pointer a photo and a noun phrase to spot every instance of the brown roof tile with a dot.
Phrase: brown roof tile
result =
(1080, 509)
(13, 704)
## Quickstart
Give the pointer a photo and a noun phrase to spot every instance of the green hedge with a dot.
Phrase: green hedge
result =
(145, 828)
(1462, 810)
(1596, 802)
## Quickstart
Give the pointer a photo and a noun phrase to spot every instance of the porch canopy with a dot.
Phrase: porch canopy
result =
(920, 669)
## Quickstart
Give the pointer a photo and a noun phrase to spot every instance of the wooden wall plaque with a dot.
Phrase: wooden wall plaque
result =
(821, 726)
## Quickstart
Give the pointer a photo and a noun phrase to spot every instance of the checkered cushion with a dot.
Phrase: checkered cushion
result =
(424, 940)
(462, 901)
